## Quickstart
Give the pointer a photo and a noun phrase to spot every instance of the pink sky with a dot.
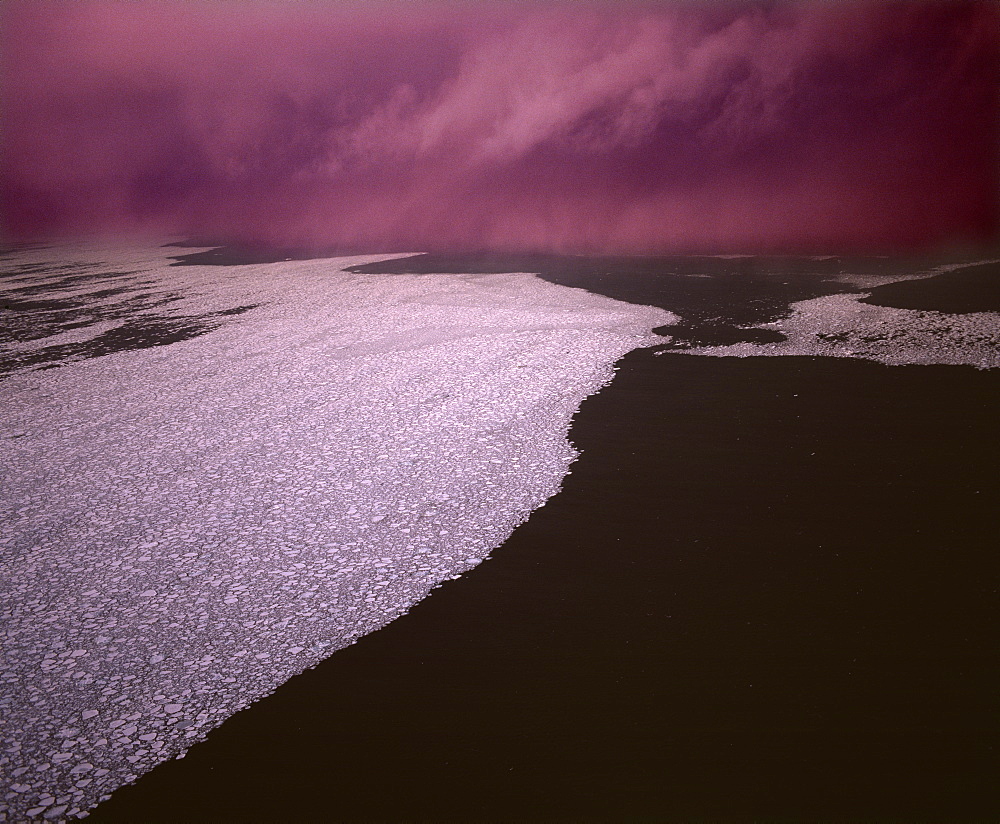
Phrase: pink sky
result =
(626, 127)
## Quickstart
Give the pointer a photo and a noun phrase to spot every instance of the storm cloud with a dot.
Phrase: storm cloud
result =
(636, 127)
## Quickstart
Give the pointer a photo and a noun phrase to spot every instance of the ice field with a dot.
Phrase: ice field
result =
(232, 472)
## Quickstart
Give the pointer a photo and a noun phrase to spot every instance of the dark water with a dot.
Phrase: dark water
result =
(766, 592)
(972, 289)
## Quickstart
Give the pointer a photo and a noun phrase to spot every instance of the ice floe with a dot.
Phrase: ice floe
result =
(842, 326)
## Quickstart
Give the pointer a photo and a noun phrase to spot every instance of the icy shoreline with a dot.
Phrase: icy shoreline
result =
(193, 524)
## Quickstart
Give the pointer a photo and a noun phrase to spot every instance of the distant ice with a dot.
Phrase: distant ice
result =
(188, 526)
(864, 280)
(841, 326)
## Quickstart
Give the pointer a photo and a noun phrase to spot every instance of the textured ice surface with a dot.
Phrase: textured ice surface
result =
(187, 526)
(841, 326)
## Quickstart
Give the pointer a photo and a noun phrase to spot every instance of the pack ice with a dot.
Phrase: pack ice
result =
(187, 526)
(843, 326)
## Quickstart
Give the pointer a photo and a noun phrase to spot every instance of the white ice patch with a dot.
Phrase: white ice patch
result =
(840, 326)
(80, 335)
(868, 281)
(188, 526)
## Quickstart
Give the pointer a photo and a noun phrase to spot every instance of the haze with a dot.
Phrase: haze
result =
(571, 127)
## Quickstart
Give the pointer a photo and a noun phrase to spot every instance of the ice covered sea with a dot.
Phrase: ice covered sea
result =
(216, 476)
(213, 478)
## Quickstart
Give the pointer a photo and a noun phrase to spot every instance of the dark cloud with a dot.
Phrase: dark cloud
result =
(562, 126)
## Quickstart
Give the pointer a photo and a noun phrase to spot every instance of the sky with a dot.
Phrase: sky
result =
(627, 127)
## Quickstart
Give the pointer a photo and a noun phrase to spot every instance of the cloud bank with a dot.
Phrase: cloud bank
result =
(637, 127)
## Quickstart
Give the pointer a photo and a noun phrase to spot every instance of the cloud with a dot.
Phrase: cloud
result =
(574, 126)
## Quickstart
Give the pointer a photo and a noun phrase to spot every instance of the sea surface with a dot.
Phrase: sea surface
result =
(765, 591)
